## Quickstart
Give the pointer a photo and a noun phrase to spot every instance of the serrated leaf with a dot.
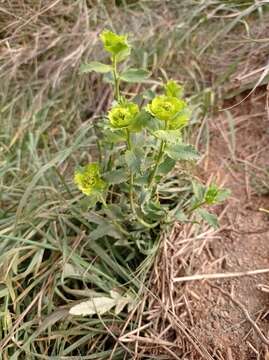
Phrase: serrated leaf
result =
(133, 161)
(182, 152)
(95, 66)
(134, 75)
(171, 136)
(166, 166)
(115, 177)
(210, 219)
(98, 305)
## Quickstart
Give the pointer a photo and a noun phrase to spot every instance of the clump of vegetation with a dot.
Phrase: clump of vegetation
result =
(58, 249)
(132, 190)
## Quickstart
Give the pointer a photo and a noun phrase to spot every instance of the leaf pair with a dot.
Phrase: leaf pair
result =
(131, 75)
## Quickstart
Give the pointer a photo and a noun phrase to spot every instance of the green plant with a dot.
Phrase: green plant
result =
(133, 188)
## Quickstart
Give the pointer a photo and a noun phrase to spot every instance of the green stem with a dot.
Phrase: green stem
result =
(116, 79)
(158, 160)
(131, 190)
(128, 136)
(196, 207)
(131, 185)
(117, 97)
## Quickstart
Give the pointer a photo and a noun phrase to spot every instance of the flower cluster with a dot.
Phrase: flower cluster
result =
(122, 115)
(169, 109)
(88, 179)
(116, 45)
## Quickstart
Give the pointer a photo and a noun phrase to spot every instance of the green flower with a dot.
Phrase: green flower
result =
(122, 115)
(173, 89)
(170, 109)
(115, 44)
(88, 179)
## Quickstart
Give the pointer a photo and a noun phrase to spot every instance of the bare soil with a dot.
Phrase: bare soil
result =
(238, 156)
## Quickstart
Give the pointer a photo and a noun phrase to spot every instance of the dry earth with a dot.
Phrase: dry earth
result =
(238, 157)
(222, 319)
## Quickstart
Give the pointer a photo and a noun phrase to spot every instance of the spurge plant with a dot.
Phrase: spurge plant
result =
(139, 182)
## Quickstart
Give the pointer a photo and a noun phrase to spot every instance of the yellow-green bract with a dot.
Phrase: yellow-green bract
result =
(122, 115)
(173, 89)
(115, 44)
(88, 179)
(170, 109)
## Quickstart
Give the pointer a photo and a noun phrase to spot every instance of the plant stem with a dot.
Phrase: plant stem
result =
(196, 207)
(131, 190)
(131, 186)
(116, 79)
(117, 97)
(158, 160)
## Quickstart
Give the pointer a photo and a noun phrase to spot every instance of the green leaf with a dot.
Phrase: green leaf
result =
(182, 152)
(199, 191)
(173, 89)
(210, 219)
(166, 166)
(95, 66)
(105, 230)
(114, 136)
(223, 195)
(149, 94)
(116, 176)
(134, 75)
(133, 160)
(141, 121)
(142, 180)
(171, 136)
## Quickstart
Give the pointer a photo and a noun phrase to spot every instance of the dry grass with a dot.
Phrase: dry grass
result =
(46, 115)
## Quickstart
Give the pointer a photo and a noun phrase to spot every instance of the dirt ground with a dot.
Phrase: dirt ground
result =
(224, 318)
(238, 157)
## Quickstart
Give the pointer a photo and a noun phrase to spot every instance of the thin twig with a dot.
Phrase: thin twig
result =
(220, 275)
